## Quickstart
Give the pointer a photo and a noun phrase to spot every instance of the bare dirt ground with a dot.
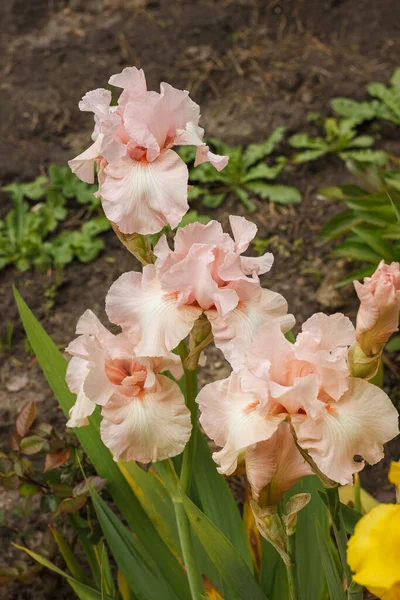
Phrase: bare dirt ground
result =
(252, 65)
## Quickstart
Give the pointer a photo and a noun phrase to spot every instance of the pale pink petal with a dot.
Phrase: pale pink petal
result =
(143, 197)
(90, 324)
(204, 154)
(133, 82)
(150, 427)
(98, 102)
(324, 342)
(82, 409)
(257, 265)
(97, 386)
(276, 462)
(197, 233)
(358, 425)
(301, 396)
(326, 332)
(244, 232)
(191, 277)
(233, 419)
(140, 306)
(245, 320)
(83, 164)
(77, 370)
(76, 373)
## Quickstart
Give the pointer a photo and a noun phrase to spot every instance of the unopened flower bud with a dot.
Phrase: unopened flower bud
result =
(378, 315)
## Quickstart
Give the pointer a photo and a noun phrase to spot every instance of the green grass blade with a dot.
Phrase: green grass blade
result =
(335, 585)
(138, 566)
(54, 368)
(273, 578)
(234, 572)
(308, 559)
(217, 502)
(83, 591)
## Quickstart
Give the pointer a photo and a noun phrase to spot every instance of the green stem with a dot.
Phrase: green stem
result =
(291, 569)
(357, 493)
(192, 568)
(190, 449)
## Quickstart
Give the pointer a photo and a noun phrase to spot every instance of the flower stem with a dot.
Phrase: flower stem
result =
(192, 569)
(291, 569)
(189, 452)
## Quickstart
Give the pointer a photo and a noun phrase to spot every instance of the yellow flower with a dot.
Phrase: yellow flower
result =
(394, 474)
(373, 552)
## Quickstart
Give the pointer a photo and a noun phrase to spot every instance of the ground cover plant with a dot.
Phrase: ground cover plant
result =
(28, 233)
(370, 223)
(293, 412)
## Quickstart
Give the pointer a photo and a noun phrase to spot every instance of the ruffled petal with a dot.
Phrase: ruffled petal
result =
(301, 396)
(204, 154)
(143, 197)
(359, 424)
(140, 306)
(244, 232)
(133, 82)
(233, 419)
(96, 101)
(83, 164)
(193, 136)
(324, 343)
(275, 462)
(77, 371)
(325, 332)
(244, 321)
(150, 427)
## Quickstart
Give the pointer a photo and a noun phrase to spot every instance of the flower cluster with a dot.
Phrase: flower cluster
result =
(144, 412)
(142, 182)
(287, 410)
(285, 403)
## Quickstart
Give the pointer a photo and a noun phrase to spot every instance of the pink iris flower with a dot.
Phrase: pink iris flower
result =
(205, 273)
(144, 412)
(142, 182)
(307, 385)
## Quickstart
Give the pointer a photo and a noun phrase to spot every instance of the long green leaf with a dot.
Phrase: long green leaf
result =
(335, 585)
(234, 572)
(83, 591)
(54, 368)
(308, 559)
(273, 578)
(138, 566)
(217, 502)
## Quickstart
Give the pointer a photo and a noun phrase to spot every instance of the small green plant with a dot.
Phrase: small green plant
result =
(26, 238)
(340, 138)
(246, 175)
(386, 103)
(370, 223)
(44, 462)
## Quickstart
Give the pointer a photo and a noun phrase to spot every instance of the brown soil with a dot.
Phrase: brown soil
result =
(252, 65)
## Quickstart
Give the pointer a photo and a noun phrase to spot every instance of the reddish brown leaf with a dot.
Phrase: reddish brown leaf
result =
(55, 459)
(14, 442)
(25, 418)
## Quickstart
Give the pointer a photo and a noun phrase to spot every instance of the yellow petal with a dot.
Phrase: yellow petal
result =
(394, 474)
(374, 550)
